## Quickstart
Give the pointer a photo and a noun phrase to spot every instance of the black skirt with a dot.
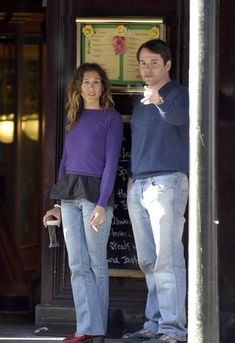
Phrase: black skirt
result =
(74, 186)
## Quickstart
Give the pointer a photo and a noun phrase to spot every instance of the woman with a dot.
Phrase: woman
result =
(85, 184)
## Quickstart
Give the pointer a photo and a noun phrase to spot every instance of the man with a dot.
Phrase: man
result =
(158, 192)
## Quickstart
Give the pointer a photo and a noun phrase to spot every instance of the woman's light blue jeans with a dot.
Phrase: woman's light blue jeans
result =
(87, 257)
(156, 207)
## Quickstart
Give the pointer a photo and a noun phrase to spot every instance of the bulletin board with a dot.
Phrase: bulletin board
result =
(113, 44)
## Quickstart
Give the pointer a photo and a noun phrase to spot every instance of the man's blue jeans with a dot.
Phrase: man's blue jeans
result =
(87, 252)
(156, 207)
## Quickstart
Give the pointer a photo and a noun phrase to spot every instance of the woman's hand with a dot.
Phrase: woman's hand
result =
(52, 214)
(97, 216)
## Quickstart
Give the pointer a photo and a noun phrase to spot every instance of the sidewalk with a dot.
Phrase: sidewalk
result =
(20, 328)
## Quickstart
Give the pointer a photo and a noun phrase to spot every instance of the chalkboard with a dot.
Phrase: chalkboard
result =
(121, 245)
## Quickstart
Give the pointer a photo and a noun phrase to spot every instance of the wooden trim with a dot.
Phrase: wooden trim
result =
(133, 273)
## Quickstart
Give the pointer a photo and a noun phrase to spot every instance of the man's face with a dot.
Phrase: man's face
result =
(153, 70)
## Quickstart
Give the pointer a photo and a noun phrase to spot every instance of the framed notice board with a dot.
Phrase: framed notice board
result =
(113, 44)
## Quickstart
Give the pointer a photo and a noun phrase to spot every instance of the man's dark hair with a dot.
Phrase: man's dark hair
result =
(156, 46)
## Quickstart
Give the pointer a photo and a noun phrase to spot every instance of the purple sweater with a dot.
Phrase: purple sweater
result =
(92, 148)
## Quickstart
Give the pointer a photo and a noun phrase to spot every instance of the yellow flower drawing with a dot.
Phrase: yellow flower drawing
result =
(154, 32)
(121, 30)
(88, 30)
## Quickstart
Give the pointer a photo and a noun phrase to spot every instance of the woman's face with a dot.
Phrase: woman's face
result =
(91, 89)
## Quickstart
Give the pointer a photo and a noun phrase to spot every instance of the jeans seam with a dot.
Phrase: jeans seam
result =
(173, 267)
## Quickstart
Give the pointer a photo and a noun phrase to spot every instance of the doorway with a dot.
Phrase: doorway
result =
(22, 51)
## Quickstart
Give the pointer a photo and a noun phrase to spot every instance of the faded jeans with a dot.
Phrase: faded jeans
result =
(156, 207)
(87, 252)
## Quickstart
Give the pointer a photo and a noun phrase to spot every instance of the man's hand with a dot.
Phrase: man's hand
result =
(130, 182)
(151, 96)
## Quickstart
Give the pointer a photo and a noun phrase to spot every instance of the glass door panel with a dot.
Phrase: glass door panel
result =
(21, 58)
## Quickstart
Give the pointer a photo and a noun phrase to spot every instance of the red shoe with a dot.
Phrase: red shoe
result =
(84, 339)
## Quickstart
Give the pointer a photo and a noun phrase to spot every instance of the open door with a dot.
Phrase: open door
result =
(21, 75)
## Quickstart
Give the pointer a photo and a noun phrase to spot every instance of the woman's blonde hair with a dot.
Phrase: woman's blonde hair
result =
(75, 104)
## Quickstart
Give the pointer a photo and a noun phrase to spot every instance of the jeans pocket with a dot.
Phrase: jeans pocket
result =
(170, 181)
(163, 182)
